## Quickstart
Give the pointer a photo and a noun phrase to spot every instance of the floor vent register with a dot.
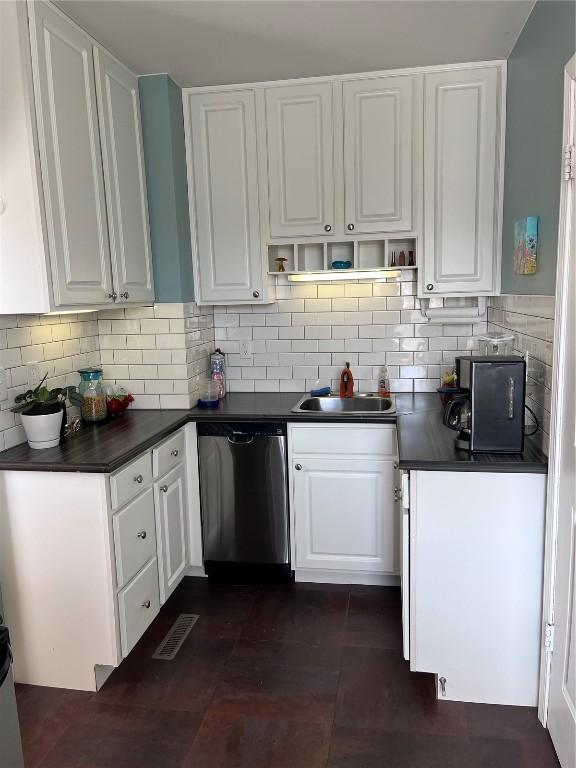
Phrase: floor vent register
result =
(175, 637)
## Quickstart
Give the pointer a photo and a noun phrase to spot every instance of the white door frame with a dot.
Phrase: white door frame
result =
(557, 424)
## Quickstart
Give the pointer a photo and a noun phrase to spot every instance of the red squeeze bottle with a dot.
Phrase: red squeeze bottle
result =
(346, 382)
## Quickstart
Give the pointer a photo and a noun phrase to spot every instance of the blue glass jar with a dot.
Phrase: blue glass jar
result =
(91, 387)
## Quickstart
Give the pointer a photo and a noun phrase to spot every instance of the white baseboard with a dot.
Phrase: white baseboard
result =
(347, 577)
(196, 570)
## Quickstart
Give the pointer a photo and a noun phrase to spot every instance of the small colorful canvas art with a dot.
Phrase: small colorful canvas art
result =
(525, 245)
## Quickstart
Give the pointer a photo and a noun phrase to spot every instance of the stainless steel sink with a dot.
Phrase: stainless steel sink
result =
(359, 404)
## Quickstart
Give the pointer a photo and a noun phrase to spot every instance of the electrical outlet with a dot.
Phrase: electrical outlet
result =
(3, 385)
(245, 350)
(35, 373)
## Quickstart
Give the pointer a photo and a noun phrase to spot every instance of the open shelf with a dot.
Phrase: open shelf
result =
(371, 254)
(367, 254)
(339, 252)
(281, 252)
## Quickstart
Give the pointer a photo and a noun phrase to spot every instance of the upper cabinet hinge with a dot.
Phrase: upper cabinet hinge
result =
(569, 158)
(549, 637)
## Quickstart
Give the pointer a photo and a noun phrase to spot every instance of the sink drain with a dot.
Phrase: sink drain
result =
(175, 637)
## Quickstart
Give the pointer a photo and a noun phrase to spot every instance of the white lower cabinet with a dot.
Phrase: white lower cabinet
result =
(88, 559)
(344, 516)
(475, 583)
(138, 606)
(171, 526)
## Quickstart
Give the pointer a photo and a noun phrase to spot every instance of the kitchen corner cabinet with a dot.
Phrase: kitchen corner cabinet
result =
(381, 152)
(344, 514)
(463, 166)
(91, 243)
(222, 164)
(300, 142)
(472, 589)
(88, 559)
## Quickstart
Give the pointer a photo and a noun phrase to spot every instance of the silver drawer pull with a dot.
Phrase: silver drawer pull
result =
(164, 488)
(175, 452)
(141, 534)
(146, 604)
(298, 467)
(138, 479)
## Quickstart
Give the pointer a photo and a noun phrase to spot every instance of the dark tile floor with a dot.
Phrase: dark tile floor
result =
(302, 676)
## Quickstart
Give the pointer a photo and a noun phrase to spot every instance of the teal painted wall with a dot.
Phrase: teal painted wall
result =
(534, 138)
(165, 158)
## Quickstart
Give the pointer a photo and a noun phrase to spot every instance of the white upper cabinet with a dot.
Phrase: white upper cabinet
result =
(74, 232)
(462, 189)
(119, 113)
(71, 159)
(300, 135)
(223, 190)
(380, 129)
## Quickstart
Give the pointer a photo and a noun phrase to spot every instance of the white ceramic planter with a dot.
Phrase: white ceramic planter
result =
(43, 431)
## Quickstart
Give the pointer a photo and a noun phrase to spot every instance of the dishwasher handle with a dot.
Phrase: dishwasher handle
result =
(240, 439)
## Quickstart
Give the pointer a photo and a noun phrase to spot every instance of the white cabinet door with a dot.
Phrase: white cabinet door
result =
(379, 128)
(405, 560)
(300, 131)
(344, 514)
(124, 174)
(171, 530)
(461, 181)
(476, 559)
(70, 157)
(223, 179)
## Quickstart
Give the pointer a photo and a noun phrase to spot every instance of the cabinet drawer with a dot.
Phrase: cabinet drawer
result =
(138, 605)
(168, 454)
(342, 439)
(134, 536)
(129, 481)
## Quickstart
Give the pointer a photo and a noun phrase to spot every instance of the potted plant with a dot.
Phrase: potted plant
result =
(42, 411)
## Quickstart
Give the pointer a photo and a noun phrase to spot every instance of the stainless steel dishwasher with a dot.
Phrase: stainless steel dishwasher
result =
(244, 500)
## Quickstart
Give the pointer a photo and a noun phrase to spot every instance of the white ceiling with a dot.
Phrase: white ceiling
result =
(208, 42)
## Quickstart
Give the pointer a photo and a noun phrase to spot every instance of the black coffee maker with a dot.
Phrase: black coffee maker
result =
(489, 413)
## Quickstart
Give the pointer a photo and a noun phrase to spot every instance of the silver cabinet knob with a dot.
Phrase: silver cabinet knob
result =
(328, 228)
(350, 227)
(113, 295)
(175, 452)
(138, 479)
(429, 287)
(146, 604)
(125, 295)
(256, 294)
(164, 488)
(298, 467)
(141, 534)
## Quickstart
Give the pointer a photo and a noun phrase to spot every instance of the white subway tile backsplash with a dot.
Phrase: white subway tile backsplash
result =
(280, 318)
(359, 290)
(265, 333)
(267, 386)
(291, 332)
(345, 304)
(305, 345)
(330, 291)
(318, 332)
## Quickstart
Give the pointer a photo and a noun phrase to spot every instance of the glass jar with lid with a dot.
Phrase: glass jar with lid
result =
(92, 389)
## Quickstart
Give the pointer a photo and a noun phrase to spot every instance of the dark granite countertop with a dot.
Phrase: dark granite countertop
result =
(99, 448)
(424, 443)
